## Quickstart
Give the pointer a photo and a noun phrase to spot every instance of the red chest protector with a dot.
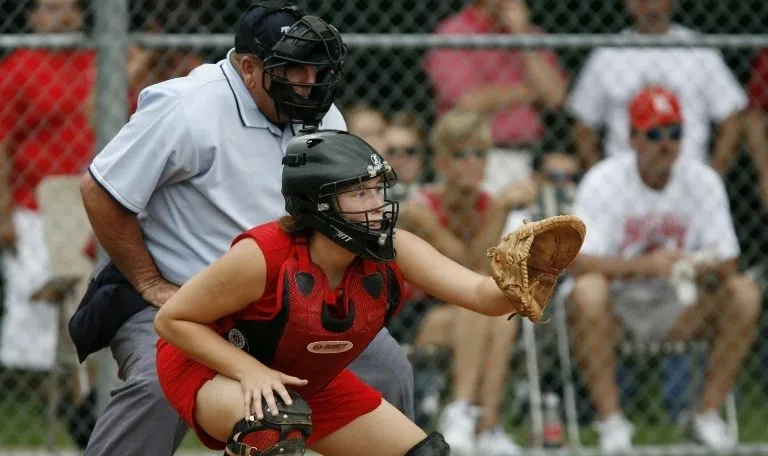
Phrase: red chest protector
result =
(319, 331)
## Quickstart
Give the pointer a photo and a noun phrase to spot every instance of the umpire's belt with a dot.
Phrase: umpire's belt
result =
(108, 302)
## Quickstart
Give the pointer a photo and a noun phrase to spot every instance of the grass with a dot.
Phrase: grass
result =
(23, 420)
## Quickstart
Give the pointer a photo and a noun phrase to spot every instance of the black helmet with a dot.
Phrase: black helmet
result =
(310, 41)
(321, 165)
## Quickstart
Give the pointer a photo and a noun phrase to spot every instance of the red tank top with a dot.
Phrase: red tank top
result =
(302, 327)
(436, 204)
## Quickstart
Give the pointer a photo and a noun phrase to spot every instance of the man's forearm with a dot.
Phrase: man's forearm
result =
(586, 141)
(721, 270)
(728, 136)
(493, 98)
(118, 231)
(612, 267)
(6, 198)
(545, 79)
(757, 140)
(489, 235)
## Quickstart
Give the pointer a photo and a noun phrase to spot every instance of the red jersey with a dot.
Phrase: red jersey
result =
(435, 203)
(454, 72)
(758, 82)
(300, 326)
(43, 116)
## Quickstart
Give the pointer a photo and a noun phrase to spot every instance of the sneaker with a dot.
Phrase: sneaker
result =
(710, 430)
(615, 433)
(496, 442)
(457, 424)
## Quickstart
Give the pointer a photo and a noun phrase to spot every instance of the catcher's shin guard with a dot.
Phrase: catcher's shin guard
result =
(284, 434)
(433, 445)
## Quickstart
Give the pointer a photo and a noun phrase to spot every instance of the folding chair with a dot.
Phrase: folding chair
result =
(552, 201)
(626, 348)
(66, 230)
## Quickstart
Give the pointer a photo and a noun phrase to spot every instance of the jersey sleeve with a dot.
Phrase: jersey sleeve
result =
(156, 147)
(723, 92)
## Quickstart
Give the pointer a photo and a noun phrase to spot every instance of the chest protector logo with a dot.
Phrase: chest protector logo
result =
(330, 346)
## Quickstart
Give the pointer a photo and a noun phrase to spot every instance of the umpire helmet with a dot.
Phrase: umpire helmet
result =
(282, 35)
(321, 165)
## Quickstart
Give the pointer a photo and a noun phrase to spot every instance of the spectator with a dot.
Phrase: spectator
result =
(44, 131)
(512, 86)
(757, 126)
(405, 152)
(707, 89)
(367, 123)
(757, 138)
(557, 173)
(150, 66)
(650, 215)
(462, 221)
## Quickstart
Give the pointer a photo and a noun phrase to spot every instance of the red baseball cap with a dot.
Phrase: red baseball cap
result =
(654, 107)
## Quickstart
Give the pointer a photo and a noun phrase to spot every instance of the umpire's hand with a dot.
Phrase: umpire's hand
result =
(158, 293)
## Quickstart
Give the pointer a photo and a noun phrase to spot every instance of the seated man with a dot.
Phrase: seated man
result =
(461, 220)
(650, 215)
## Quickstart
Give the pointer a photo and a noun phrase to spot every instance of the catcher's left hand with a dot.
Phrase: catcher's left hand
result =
(528, 261)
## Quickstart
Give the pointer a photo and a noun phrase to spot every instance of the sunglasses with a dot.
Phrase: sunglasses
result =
(400, 151)
(658, 134)
(465, 152)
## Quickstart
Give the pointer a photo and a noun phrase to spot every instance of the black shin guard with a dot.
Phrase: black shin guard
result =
(433, 445)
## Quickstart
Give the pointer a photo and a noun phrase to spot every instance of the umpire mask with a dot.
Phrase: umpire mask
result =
(310, 41)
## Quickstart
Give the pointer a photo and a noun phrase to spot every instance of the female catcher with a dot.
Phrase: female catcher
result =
(294, 301)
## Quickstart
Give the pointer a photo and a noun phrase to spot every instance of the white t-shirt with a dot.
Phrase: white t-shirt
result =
(626, 218)
(703, 83)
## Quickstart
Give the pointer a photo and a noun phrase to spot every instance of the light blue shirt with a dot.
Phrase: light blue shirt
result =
(199, 163)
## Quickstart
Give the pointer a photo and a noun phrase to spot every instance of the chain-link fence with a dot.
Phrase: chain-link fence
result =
(540, 88)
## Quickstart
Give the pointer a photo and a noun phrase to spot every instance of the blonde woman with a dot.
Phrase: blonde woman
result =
(461, 220)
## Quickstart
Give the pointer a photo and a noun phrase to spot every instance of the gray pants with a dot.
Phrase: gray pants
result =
(139, 421)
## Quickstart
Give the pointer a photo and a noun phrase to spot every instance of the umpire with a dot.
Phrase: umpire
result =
(198, 163)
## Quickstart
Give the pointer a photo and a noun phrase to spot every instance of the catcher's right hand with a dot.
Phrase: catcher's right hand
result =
(528, 261)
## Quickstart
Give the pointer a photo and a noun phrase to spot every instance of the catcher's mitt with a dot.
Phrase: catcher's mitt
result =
(528, 261)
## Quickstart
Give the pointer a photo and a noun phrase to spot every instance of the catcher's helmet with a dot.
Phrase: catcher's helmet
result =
(321, 165)
(282, 35)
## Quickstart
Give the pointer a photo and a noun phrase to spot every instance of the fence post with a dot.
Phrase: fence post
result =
(111, 20)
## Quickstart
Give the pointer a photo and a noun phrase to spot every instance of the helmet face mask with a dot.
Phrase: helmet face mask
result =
(345, 196)
(310, 41)
(376, 224)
